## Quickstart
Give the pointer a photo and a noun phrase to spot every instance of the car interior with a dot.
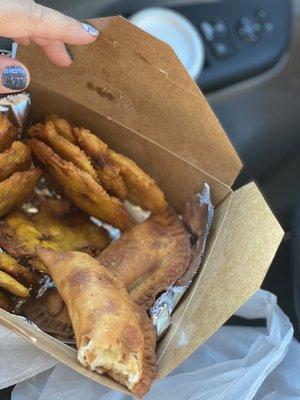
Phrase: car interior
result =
(251, 78)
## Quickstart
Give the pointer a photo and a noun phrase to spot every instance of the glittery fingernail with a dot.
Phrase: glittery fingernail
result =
(69, 51)
(90, 29)
(14, 77)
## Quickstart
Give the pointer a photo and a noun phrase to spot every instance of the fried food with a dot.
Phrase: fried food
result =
(71, 231)
(50, 314)
(16, 158)
(4, 302)
(17, 188)
(63, 127)
(68, 151)
(8, 133)
(11, 245)
(113, 335)
(12, 285)
(13, 268)
(141, 188)
(150, 257)
(81, 188)
(108, 174)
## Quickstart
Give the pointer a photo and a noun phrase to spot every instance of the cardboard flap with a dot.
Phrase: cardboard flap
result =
(119, 84)
(242, 247)
(144, 46)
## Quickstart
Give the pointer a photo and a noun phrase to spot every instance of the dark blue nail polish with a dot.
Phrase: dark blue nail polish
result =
(90, 29)
(69, 51)
(14, 77)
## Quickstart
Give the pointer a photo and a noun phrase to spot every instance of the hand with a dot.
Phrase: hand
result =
(24, 21)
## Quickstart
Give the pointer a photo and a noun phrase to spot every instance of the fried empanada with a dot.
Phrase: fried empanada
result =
(113, 335)
(8, 133)
(51, 315)
(149, 257)
(11, 266)
(74, 231)
(17, 188)
(16, 158)
(63, 127)
(60, 145)
(108, 174)
(81, 188)
(12, 285)
(141, 189)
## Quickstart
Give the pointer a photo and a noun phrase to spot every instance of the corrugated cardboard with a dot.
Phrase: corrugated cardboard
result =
(132, 90)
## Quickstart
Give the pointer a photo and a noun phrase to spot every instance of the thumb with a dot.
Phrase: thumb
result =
(14, 75)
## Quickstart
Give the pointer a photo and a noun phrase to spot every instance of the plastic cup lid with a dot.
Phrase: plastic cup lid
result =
(176, 30)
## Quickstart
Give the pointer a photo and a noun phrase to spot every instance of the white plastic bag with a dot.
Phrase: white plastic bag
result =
(231, 365)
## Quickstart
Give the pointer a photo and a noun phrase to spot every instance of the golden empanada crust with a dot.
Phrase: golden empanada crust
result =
(150, 257)
(81, 188)
(113, 334)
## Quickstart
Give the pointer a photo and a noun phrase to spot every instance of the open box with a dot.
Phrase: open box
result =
(131, 89)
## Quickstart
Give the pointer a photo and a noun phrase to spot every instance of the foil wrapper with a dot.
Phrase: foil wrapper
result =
(197, 217)
(17, 108)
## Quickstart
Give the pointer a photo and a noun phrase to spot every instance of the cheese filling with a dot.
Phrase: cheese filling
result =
(107, 360)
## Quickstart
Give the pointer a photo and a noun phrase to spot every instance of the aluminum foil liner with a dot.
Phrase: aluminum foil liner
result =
(197, 216)
(17, 108)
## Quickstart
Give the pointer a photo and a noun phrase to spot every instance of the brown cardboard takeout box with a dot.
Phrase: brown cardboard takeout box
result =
(131, 89)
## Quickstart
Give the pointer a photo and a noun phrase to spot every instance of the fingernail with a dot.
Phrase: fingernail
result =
(90, 29)
(14, 77)
(69, 51)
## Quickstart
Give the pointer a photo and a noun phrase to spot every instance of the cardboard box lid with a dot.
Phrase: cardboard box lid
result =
(236, 261)
(121, 78)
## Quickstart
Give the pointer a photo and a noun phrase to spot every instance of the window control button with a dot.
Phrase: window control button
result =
(221, 49)
(208, 31)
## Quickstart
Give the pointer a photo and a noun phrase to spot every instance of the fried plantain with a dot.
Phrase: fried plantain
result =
(12, 285)
(8, 133)
(71, 230)
(81, 188)
(16, 158)
(13, 268)
(68, 151)
(142, 189)
(17, 188)
(5, 303)
(63, 127)
(108, 174)
(119, 174)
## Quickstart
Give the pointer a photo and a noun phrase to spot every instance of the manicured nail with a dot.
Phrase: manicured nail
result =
(14, 77)
(69, 51)
(90, 29)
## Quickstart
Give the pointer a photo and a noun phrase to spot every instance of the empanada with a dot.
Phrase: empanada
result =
(51, 315)
(17, 188)
(82, 189)
(141, 189)
(16, 158)
(149, 257)
(8, 133)
(113, 335)
(61, 146)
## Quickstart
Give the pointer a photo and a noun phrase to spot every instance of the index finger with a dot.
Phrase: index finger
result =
(26, 19)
